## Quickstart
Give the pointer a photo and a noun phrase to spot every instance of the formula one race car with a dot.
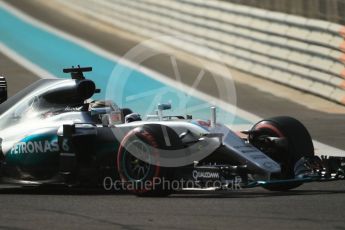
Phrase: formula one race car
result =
(52, 133)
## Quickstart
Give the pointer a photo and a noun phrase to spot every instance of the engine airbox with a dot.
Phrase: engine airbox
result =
(74, 93)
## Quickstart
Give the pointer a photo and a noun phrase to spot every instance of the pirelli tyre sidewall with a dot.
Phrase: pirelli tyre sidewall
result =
(299, 144)
(148, 183)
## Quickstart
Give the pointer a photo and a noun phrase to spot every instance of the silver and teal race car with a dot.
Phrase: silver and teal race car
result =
(52, 133)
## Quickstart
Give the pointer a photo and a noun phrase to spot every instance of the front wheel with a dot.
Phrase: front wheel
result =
(137, 164)
(298, 144)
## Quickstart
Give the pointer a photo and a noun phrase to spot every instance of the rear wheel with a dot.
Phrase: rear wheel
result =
(298, 144)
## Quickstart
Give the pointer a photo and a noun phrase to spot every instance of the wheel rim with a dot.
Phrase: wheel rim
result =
(268, 130)
(279, 155)
(134, 168)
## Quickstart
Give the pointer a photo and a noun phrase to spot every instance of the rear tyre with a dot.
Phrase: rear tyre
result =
(299, 144)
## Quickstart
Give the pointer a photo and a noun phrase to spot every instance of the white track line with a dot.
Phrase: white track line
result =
(25, 62)
(323, 149)
(320, 147)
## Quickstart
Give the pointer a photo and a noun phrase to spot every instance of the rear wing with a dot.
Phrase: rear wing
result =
(3, 89)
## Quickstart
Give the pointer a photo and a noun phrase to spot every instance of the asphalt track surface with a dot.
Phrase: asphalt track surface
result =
(312, 206)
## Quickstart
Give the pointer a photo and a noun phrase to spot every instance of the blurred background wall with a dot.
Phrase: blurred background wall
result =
(330, 10)
(301, 52)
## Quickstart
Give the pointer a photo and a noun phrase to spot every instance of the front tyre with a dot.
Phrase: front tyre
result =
(137, 164)
(298, 144)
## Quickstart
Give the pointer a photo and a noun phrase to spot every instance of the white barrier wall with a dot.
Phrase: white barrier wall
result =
(306, 54)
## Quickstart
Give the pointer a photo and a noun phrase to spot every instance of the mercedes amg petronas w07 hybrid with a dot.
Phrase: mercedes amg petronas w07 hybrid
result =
(52, 133)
